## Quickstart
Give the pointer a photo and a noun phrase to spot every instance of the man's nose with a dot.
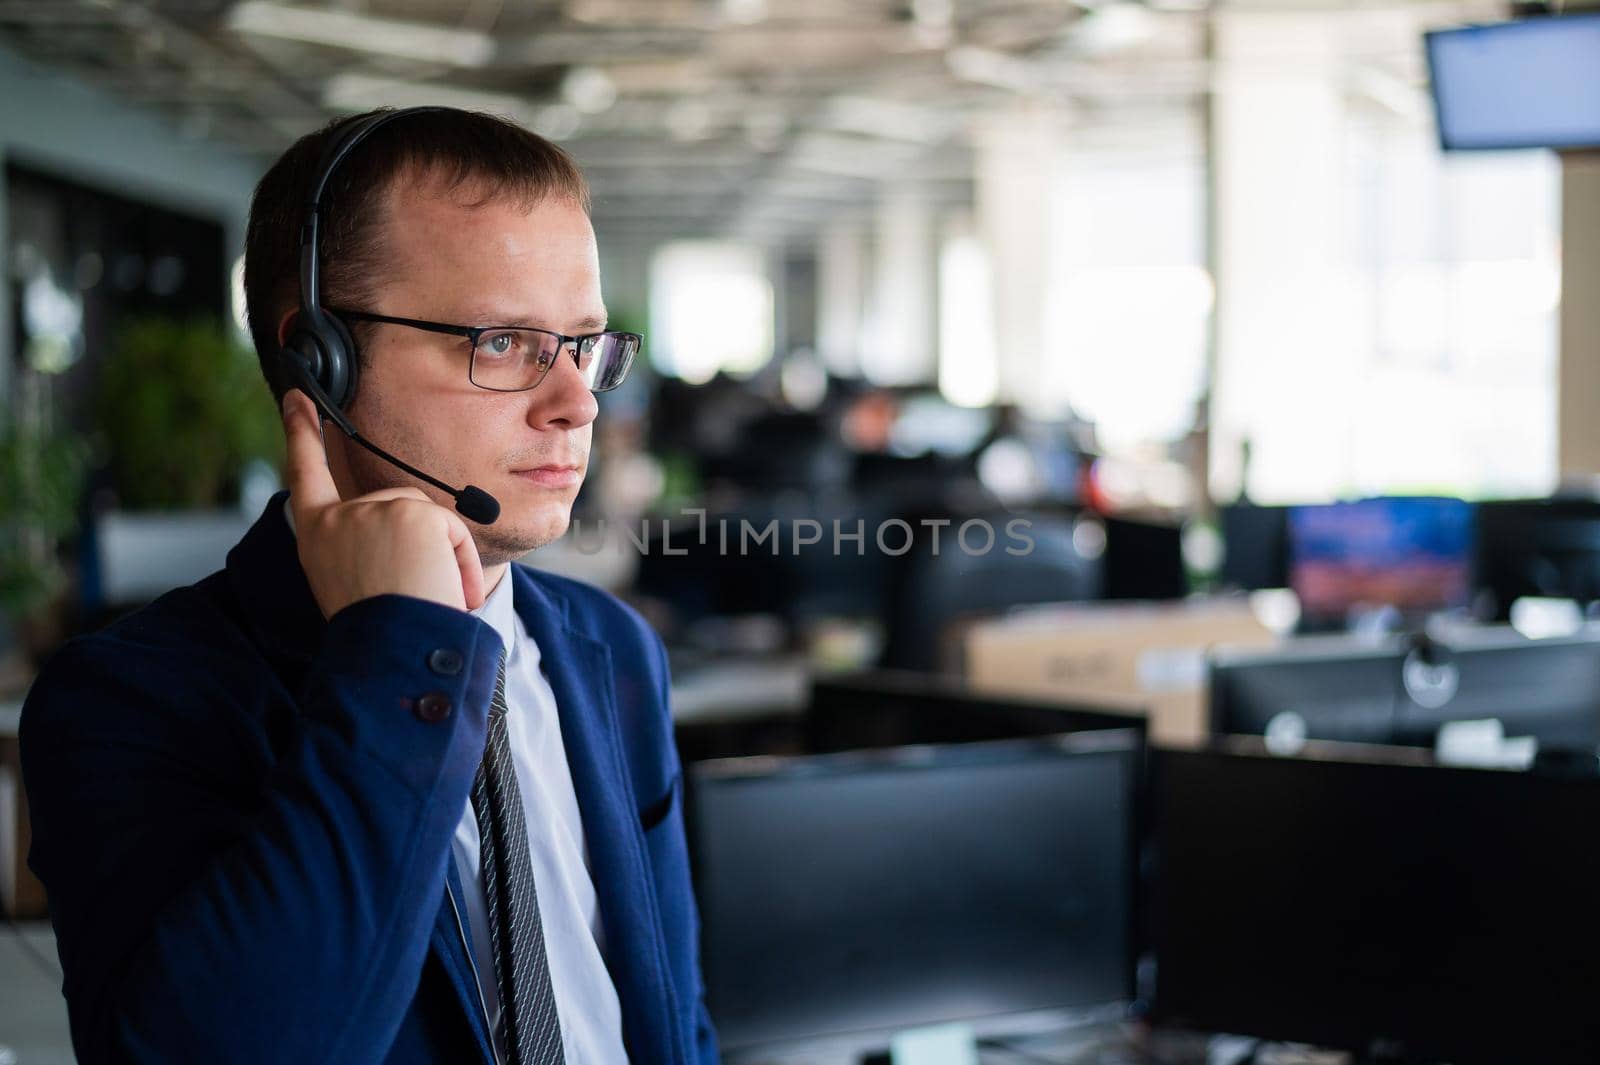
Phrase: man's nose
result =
(563, 397)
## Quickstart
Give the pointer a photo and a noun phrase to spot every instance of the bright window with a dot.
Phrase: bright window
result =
(1130, 299)
(1388, 312)
(711, 310)
(969, 369)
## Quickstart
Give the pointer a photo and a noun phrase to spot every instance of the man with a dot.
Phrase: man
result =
(374, 793)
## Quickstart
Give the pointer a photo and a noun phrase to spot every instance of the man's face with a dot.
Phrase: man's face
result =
(450, 258)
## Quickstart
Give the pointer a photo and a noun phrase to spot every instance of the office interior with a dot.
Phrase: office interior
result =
(1118, 481)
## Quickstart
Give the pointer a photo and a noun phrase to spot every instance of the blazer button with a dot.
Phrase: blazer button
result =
(445, 661)
(435, 706)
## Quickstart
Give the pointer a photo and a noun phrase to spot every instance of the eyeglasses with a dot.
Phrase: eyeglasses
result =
(516, 358)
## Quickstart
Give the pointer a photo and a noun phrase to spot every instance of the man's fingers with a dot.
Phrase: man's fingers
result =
(311, 484)
(404, 492)
(467, 559)
(389, 521)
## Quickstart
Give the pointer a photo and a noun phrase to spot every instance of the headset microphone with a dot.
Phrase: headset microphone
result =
(472, 502)
(320, 354)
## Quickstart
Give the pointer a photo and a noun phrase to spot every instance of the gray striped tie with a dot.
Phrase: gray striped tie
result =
(528, 1022)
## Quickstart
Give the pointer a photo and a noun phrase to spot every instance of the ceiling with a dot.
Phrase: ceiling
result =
(749, 118)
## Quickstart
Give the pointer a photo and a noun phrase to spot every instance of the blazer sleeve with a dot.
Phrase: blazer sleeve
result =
(223, 893)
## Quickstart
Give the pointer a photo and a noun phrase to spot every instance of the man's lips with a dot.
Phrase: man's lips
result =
(553, 475)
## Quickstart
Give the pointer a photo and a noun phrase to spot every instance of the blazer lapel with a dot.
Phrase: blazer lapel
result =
(275, 601)
(449, 941)
(580, 673)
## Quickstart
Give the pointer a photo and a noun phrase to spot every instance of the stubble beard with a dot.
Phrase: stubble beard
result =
(497, 543)
(497, 546)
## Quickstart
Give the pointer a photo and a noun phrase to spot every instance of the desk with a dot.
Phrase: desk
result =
(740, 687)
(1100, 1043)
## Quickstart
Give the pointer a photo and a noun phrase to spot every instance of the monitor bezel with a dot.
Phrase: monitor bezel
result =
(1129, 741)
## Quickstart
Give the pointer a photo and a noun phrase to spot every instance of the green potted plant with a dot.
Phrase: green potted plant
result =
(182, 410)
(41, 483)
(182, 413)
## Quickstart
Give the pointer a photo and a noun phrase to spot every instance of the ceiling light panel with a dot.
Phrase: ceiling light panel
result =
(362, 33)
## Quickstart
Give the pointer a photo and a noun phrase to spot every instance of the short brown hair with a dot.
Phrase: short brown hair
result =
(496, 156)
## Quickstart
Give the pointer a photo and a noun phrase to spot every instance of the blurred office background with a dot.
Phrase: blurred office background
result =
(1192, 289)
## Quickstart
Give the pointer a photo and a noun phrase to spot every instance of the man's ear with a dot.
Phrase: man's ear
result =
(285, 324)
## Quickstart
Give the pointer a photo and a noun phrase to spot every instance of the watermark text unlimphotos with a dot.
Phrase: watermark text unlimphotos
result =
(741, 537)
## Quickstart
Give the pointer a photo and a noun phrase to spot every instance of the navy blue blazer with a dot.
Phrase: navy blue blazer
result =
(242, 815)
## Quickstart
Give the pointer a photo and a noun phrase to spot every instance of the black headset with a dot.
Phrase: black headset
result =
(319, 354)
(320, 343)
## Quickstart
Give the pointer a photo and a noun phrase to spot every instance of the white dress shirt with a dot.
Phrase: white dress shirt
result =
(586, 999)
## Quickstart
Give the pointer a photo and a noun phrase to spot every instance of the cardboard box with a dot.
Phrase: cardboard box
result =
(1152, 655)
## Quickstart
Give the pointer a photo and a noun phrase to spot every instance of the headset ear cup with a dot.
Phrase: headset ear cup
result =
(339, 361)
(302, 359)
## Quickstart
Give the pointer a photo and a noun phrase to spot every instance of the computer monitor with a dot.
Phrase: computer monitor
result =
(1315, 688)
(1545, 548)
(1414, 555)
(901, 708)
(1144, 560)
(859, 894)
(1439, 914)
(1533, 83)
(1038, 556)
(1401, 690)
(1255, 545)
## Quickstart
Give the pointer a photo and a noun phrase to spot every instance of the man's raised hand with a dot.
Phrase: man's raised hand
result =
(392, 542)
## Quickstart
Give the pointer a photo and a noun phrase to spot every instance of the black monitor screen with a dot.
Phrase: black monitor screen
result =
(1528, 84)
(866, 892)
(1322, 688)
(1356, 691)
(1449, 913)
(1547, 548)
(1255, 546)
(1144, 561)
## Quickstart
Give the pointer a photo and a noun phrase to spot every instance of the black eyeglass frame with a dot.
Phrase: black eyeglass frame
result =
(475, 332)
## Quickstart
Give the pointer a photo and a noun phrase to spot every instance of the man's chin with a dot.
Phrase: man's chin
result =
(516, 533)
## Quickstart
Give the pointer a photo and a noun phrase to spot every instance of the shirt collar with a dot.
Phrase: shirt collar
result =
(498, 612)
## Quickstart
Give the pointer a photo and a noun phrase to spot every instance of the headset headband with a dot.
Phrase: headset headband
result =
(310, 228)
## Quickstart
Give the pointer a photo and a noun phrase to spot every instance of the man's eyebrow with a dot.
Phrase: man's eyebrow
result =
(592, 323)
